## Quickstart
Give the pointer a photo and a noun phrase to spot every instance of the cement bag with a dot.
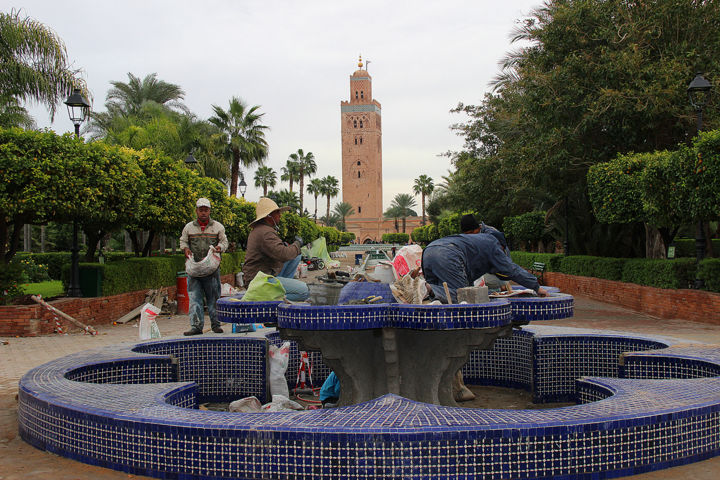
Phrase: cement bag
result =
(264, 288)
(279, 359)
(204, 267)
(148, 326)
(245, 405)
(281, 403)
(407, 258)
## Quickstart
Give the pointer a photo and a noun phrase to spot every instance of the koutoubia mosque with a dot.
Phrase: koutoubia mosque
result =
(361, 129)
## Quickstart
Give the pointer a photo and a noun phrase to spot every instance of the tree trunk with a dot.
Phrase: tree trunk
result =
(148, 243)
(403, 224)
(423, 207)
(302, 186)
(708, 241)
(42, 238)
(173, 245)
(316, 208)
(327, 217)
(128, 241)
(235, 172)
(135, 242)
(654, 244)
(27, 238)
(92, 240)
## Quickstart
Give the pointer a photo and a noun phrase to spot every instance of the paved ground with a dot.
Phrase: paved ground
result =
(19, 461)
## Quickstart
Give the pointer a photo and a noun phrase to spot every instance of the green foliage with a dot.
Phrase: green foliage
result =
(11, 275)
(238, 229)
(53, 260)
(450, 225)
(677, 273)
(401, 238)
(425, 234)
(526, 229)
(685, 247)
(291, 225)
(33, 272)
(526, 259)
(135, 274)
(709, 271)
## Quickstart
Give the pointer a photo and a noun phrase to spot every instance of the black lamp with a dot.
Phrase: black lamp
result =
(699, 93)
(242, 185)
(78, 110)
(190, 160)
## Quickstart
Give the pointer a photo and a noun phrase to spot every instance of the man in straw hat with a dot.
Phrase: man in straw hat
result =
(267, 253)
(196, 239)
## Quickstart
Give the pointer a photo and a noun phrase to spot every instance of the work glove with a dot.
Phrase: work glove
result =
(299, 239)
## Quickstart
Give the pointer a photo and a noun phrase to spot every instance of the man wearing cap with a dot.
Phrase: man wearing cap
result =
(196, 239)
(267, 253)
(459, 259)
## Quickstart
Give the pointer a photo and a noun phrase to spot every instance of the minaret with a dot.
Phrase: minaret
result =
(362, 153)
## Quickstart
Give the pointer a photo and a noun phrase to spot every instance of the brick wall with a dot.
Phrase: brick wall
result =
(693, 305)
(32, 320)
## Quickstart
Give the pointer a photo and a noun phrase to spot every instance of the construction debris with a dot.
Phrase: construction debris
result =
(86, 328)
(158, 298)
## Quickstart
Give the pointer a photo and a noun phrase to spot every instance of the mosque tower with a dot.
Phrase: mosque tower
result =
(362, 157)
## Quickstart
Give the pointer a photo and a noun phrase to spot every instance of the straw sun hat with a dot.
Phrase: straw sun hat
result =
(265, 207)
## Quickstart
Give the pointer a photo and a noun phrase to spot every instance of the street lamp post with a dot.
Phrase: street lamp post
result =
(242, 185)
(698, 93)
(190, 160)
(78, 111)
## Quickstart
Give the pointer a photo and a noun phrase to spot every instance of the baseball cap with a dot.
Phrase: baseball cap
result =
(202, 202)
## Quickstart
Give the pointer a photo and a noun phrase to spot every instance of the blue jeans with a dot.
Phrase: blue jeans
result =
(444, 263)
(295, 290)
(207, 289)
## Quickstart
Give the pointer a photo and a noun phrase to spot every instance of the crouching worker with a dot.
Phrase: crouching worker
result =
(267, 253)
(330, 391)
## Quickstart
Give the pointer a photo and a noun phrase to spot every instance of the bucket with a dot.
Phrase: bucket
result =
(181, 294)
(324, 293)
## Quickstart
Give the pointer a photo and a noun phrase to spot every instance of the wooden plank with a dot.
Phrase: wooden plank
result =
(42, 302)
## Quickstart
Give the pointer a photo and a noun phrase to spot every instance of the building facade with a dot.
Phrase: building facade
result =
(361, 133)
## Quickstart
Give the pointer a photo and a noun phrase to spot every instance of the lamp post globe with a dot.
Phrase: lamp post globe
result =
(698, 94)
(242, 186)
(78, 111)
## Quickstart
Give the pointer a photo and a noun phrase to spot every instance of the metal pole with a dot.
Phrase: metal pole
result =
(700, 233)
(566, 244)
(74, 285)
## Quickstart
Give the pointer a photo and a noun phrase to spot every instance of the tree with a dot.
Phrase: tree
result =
(130, 97)
(330, 188)
(404, 203)
(12, 114)
(593, 80)
(34, 65)
(394, 213)
(285, 198)
(290, 172)
(265, 177)
(306, 167)
(243, 135)
(423, 186)
(342, 210)
(315, 188)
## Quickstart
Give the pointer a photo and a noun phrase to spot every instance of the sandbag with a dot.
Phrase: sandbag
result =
(148, 327)
(204, 267)
(407, 258)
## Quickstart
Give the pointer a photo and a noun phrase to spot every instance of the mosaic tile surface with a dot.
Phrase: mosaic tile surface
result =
(621, 427)
(233, 310)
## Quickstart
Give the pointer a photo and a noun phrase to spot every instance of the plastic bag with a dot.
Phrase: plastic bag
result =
(407, 258)
(279, 359)
(204, 267)
(281, 403)
(148, 326)
(264, 288)
(245, 405)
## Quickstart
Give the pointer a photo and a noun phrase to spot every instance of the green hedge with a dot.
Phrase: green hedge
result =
(140, 273)
(401, 238)
(685, 247)
(54, 260)
(678, 273)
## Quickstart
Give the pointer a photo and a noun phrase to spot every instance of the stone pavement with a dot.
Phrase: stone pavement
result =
(19, 355)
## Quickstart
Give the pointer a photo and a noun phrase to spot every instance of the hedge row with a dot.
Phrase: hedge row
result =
(146, 272)
(401, 238)
(678, 273)
(685, 247)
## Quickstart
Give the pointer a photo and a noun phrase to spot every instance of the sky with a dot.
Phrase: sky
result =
(294, 60)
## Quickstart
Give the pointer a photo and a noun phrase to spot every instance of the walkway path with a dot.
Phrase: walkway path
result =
(20, 461)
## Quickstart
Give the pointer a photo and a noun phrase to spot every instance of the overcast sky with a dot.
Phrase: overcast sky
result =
(294, 59)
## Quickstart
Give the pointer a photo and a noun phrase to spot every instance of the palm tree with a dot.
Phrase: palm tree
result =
(306, 168)
(285, 198)
(12, 114)
(244, 136)
(331, 188)
(131, 96)
(404, 202)
(265, 177)
(315, 188)
(393, 213)
(34, 65)
(290, 172)
(342, 210)
(423, 186)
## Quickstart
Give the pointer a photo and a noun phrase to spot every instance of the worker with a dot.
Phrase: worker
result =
(495, 282)
(330, 391)
(460, 259)
(196, 239)
(267, 253)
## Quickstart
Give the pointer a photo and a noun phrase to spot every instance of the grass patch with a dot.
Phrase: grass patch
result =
(49, 289)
